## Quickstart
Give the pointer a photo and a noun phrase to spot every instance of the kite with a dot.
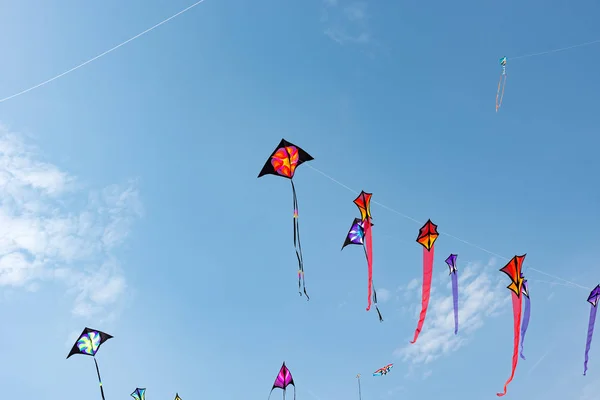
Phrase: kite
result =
(427, 237)
(139, 394)
(525, 323)
(513, 270)
(177, 397)
(363, 202)
(359, 394)
(501, 83)
(283, 380)
(88, 344)
(283, 162)
(451, 261)
(356, 235)
(593, 300)
(384, 370)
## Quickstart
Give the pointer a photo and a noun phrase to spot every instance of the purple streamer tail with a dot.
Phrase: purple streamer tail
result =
(589, 337)
(455, 298)
(525, 323)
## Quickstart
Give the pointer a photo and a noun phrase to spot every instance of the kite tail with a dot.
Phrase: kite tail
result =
(455, 300)
(500, 93)
(369, 249)
(516, 302)
(427, 275)
(589, 337)
(525, 324)
(376, 308)
(99, 379)
(298, 246)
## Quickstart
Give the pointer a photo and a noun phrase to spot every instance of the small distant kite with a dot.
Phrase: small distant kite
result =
(88, 344)
(360, 234)
(513, 270)
(428, 234)
(451, 261)
(593, 299)
(177, 397)
(501, 84)
(139, 394)
(283, 380)
(384, 370)
(283, 162)
(527, 312)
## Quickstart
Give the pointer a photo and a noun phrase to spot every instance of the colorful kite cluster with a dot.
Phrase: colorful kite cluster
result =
(284, 161)
(88, 344)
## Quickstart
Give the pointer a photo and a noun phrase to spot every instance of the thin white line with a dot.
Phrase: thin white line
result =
(101, 54)
(554, 51)
(443, 233)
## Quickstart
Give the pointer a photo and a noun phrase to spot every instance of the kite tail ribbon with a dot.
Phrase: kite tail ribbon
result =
(426, 291)
(376, 308)
(455, 300)
(500, 93)
(369, 249)
(99, 379)
(298, 246)
(516, 302)
(525, 324)
(589, 337)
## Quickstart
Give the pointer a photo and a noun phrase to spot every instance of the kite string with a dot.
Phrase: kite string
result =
(555, 50)
(572, 284)
(102, 54)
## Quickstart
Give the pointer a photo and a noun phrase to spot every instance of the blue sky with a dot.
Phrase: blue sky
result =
(130, 201)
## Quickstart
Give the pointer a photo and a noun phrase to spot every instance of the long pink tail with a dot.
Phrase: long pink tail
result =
(516, 302)
(426, 291)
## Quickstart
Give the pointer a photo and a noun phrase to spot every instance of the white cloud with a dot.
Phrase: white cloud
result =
(346, 21)
(480, 296)
(383, 295)
(51, 232)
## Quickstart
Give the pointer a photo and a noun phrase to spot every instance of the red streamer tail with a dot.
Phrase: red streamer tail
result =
(516, 302)
(369, 245)
(426, 291)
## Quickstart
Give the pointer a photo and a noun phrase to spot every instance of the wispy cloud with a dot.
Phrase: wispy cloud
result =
(383, 295)
(52, 231)
(481, 295)
(345, 21)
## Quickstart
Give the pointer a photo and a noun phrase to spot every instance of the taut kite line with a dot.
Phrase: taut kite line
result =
(83, 64)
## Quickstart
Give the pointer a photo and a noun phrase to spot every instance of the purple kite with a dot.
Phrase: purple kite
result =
(451, 261)
(525, 323)
(593, 300)
(356, 235)
(283, 380)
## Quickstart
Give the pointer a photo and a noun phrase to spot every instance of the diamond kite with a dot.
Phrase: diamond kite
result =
(513, 270)
(139, 394)
(283, 380)
(88, 344)
(283, 162)
(428, 234)
(356, 236)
